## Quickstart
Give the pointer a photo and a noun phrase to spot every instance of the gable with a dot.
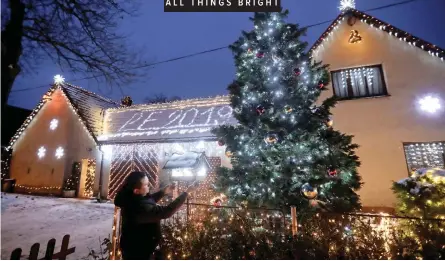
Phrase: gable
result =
(87, 106)
(90, 107)
(177, 121)
(353, 15)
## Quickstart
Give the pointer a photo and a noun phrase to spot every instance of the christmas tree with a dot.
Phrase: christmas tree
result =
(284, 151)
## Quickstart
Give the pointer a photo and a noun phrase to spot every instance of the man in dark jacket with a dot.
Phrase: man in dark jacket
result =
(141, 216)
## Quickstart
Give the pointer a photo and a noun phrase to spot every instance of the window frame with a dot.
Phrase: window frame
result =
(419, 142)
(378, 66)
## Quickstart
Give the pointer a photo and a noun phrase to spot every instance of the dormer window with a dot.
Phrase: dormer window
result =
(359, 82)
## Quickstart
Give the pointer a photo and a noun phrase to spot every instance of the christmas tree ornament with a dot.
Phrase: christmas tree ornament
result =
(229, 154)
(217, 203)
(308, 191)
(249, 50)
(260, 55)
(260, 110)
(126, 101)
(320, 84)
(330, 122)
(332, 172)
(297, 71)
(271, 138)
(221, 142)
(288, 109)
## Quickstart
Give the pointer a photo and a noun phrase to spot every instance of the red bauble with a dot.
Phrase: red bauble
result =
(221, 143)
(332, 172)
(260, 110)
(297, 71)
(260, 55)
(320, 84)
(217, 203)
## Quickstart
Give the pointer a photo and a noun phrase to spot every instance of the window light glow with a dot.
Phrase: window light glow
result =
(41, 152)
(59, 152)
(53, 124)
(430, 104)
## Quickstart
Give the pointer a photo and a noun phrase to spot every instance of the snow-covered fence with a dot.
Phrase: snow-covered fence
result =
(49, 253)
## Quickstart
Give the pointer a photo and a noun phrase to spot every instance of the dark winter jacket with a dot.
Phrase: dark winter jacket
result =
(141, 216)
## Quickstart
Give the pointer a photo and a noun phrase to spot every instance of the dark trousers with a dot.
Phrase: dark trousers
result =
(138, 253)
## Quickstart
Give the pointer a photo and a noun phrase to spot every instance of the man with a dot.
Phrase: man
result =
(141, 216)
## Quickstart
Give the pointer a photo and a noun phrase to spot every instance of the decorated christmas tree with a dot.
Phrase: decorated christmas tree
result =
(285, 150)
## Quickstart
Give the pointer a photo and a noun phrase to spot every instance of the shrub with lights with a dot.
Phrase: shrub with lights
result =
(284, 151)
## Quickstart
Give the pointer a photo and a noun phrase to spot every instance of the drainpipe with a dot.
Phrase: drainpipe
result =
(99, 195)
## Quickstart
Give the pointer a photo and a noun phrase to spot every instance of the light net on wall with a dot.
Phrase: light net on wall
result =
(129, 158)
(425, 155)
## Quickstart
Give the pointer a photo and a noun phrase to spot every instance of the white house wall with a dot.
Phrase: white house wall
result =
(49, 171)
(380, 125)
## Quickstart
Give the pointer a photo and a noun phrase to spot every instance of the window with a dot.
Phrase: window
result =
(359, 82)
(425, 155)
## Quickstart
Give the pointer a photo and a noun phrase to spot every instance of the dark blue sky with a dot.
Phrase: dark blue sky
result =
(169, 35)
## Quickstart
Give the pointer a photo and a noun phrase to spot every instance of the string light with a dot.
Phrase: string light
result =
(172, 120)
(378, 25)
(38, 188)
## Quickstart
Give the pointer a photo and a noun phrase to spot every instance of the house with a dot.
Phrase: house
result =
(379, 71)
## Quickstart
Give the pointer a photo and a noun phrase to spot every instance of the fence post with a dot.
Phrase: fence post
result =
(50, 249)
(293, 213)
(16, 254)
(114, 245)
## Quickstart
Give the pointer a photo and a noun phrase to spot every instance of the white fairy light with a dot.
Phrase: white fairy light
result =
(59, 152)
(346, 4)
(430, 104)
(58, 79)
(41, 152)
(53, 124)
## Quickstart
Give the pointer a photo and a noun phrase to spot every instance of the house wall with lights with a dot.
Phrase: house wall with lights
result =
(398, 75)
(44, 153)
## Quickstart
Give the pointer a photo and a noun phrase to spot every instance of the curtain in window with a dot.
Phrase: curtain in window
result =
(358, 82)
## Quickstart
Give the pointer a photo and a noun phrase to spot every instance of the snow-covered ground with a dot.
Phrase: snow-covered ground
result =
(27, 219)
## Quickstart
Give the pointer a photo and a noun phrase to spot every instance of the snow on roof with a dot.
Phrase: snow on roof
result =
(187, 159)
(90, 107)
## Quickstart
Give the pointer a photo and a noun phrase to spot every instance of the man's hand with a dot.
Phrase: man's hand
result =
(192, 187)
(169, 189)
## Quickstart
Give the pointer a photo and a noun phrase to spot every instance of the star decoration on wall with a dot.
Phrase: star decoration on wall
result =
(53, 124)
(41, 152)
(429, 104)
(59, 152)
(346, 4)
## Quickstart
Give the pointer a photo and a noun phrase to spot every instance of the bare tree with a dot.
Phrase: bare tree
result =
(79, 35)
(161, 98)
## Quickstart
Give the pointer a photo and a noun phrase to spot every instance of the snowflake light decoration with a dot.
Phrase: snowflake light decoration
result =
(59, 152)
(58, 79)
(41, 152)
(346, 4)
(53, 124)
(429, 104)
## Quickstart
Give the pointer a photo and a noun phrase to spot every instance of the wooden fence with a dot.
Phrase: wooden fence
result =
(49, 253)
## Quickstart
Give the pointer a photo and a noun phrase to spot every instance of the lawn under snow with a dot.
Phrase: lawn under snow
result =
(27, 219)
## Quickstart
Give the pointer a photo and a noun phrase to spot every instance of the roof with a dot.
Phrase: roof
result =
(88, 106)
(386, 27)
